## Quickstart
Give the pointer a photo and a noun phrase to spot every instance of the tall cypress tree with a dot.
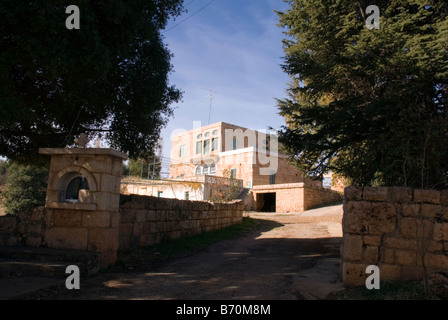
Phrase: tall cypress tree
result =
(370, 105)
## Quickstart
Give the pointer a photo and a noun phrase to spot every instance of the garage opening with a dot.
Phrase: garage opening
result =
(266, 202)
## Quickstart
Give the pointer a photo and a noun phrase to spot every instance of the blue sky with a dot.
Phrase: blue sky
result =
(234, 48)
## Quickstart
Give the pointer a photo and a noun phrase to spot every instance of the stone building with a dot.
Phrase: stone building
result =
(231, 151)
(227, 150)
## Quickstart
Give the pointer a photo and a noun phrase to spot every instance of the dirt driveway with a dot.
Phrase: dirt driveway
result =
(292, 256)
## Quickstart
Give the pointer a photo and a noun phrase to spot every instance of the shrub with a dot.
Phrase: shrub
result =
(26, 187)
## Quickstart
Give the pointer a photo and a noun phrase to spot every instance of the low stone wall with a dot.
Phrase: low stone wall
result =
(315, 196)
(141, 221)
(147, 220)
(403, 231)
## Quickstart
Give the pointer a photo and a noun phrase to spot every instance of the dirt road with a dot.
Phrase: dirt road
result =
(292, 256)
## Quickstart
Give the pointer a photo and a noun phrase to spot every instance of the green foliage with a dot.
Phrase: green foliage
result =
(369, 105)
(108, 78)
(26, 187)
(148, 168)
(3, 170)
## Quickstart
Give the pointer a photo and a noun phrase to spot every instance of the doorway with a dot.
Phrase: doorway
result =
(266, 202)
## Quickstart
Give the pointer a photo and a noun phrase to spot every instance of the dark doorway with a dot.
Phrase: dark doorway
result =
(266, 202)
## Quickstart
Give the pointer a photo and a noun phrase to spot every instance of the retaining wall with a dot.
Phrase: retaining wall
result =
(146, 220)
(403, 231)
(141, 221)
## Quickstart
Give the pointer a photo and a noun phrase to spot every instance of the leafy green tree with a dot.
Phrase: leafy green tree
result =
(370, 105)
(3, 170)
(26, 187)
(110, 77)
(148, 168)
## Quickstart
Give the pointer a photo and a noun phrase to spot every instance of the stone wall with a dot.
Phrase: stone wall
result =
(147, 220)
(141, 221)
(293, 197)
(316, 196)
(400, 230)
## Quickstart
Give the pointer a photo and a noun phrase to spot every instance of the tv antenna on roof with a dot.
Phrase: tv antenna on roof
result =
(210, 95)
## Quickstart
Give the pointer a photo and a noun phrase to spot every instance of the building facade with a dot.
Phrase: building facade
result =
(225, 161)
(227, 150)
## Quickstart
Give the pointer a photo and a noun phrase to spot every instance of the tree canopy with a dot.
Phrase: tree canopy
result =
(108, 78)
(370, 105)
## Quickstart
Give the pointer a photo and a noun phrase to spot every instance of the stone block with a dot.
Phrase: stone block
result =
(400, 194)
(353, 193)
(354, 274)
(8, 224)
(427, 196)
(352, 247)
(375, 194)
(399, 243)
(388, 255)
(37, 214)
(412, 273)
(389, 272)
(100, 219)
(34, 242)
(103, 201)
(440, 231)
(436, 261)
(371, 254)
(67, 218)
(103, 239)
(412, 210)
(127, 215)
(431, 211)
(140, 216)
(149, 227)
(416, 228)
(150, 215)
(371, 240)
(406, 257)
(444, 197)
(137, 229)
(114, 219)
(66, 238)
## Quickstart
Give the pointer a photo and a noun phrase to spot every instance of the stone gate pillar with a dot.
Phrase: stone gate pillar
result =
(82, 202)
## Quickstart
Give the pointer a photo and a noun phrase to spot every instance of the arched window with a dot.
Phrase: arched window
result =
(205, 169)
(73, 188)
(198, 171)
(212, 170)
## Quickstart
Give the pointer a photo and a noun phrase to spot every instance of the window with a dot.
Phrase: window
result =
(207, 147)
(272, 179)
(198, 171)
(199, 147)
(249, 184)
(233, 173)
(207, 134)
(234, 144)
(199, 136)
(212, 170)
(73, 188)
(205, 169)
(182, 151)
(215, 133)
(215, 144)
(187, 195)
(160, 194)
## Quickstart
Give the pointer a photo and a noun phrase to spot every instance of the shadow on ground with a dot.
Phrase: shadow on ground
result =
(249, 267)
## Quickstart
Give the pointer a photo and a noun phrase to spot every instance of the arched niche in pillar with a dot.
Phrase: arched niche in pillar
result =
(84, 179)
(75, 185)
